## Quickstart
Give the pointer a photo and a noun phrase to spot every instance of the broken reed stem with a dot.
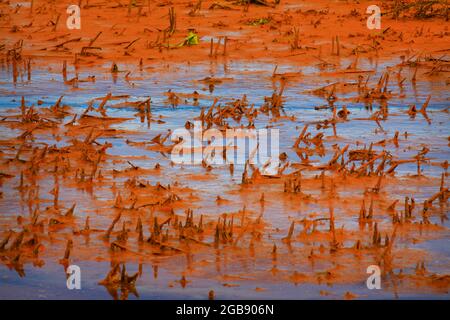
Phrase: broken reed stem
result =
(111, 227)
(94, 39)
(211, 48)
(15, 72)
(130, 4)
(425, 105)
(332, 45)
(217, 47)
(56, 23)
(274, 71)
(29, 69)
(64, 71)
(290, 232)
(68, 249)
(225, 45)
(172, 21)
(413, 80)
(337, 46)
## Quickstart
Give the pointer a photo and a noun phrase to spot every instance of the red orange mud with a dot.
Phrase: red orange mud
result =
(139, 221)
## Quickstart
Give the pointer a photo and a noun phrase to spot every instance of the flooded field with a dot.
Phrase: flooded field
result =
(88, 179)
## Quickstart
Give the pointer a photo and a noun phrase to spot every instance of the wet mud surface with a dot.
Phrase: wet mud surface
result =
(85, 153)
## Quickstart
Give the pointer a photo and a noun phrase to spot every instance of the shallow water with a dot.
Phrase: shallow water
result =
(207, 271)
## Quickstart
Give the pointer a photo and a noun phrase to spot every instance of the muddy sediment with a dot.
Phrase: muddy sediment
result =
(87, 178)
